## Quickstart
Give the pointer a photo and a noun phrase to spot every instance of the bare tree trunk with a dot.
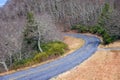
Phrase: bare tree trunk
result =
(10, 59)
(5, 66)
(39, 36)
(20, 57)
(39, 47)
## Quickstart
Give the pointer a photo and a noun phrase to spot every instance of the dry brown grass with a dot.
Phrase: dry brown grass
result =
(73, 44)
(114, 45)
(103, 65)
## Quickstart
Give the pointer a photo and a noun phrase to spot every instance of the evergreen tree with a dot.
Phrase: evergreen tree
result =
(30, 36)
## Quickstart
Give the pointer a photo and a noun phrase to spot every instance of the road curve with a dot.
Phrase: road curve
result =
(49, 70)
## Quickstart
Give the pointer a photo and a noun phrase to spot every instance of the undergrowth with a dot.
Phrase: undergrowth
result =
(50, 50)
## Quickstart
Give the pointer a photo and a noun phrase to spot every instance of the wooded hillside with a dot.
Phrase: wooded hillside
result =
(48, 16)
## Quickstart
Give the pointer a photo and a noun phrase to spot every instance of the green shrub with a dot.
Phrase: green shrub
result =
(55, 44)
(29, 62)
(40, 57)
(100, 30)
(73, 27)
(21, 63)
(107, 38)
(80, 28)
(57, 49)
(93, 29)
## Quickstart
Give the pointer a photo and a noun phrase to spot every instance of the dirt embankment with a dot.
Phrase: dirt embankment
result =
(103, 65)
(73, 44)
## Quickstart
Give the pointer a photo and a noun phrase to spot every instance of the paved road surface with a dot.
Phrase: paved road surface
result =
(49, 70)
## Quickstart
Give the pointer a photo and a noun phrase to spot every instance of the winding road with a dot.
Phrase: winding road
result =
(51, 69)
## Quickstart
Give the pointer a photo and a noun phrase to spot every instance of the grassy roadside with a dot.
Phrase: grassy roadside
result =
(73, 44)
(103, 65)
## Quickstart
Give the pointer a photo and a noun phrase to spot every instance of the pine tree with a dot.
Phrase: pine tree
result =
(31, 42)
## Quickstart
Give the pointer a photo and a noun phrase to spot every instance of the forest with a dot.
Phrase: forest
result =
(31, 31)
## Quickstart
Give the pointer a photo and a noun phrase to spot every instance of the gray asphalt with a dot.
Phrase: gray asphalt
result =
(49, 70)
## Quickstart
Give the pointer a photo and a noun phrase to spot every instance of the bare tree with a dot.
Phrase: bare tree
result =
(10, 40)
(72, 12)
(113, 23)
(47, 29)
